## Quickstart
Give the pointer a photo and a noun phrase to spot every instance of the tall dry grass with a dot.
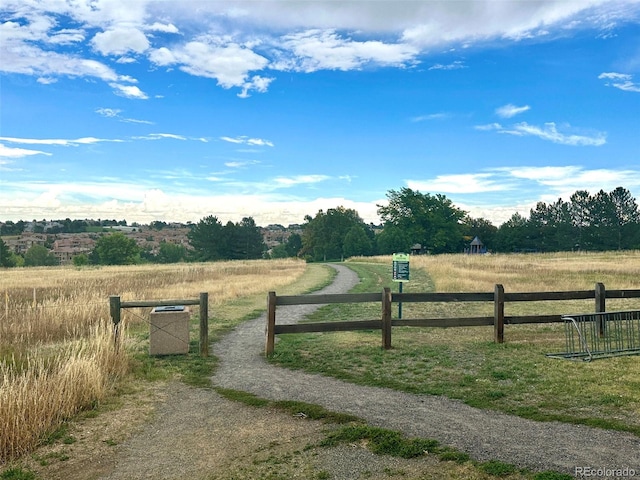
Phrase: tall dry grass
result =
(57, 352)
(531, 272)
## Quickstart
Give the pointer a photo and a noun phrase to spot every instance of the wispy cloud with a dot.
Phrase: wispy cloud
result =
(240, 164)
(160, 136)
(549, 132)
(243, 140)
(457, 65)
(622, 81)
(460, 184)
(9, 152)
(300, 180)
(509, 110)
(115, 113)
(431, 116)
(58, 141)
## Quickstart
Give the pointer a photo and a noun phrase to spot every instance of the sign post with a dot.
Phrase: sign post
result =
(400, 273)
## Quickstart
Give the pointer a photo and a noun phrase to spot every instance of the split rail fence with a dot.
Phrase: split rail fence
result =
(599, 294)
(116, 306)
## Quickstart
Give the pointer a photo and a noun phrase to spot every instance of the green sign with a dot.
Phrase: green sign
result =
(400, 270)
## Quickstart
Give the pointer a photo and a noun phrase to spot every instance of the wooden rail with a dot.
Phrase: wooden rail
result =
(116, 305)
(498, 320)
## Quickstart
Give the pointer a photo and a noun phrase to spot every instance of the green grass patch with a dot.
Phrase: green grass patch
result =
(464, 363)
(382, 441)
(17, 473)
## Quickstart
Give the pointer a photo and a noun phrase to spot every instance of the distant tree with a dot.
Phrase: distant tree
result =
(356, 242)
(279, 251)
(6, 259)
(247, 242)
(432, 221)
(39, 256)
(171, 253)
(293, 245)
(323, 236)
(626, 218)
(80, 260)
(117, 249)
(208, 240)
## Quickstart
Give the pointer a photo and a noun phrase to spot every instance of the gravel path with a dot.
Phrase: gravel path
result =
(484, 435)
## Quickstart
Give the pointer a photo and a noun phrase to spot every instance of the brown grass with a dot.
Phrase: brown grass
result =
(57, 353)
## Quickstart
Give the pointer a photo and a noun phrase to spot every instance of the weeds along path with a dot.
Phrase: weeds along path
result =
(484, 435)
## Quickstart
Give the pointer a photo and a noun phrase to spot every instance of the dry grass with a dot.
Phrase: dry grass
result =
(57, 354)
(548, 272)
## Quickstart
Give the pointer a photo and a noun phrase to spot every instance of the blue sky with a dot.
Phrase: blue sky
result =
(156, 110)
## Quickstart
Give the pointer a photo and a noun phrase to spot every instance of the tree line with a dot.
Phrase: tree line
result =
(410, 220)
(432, 224)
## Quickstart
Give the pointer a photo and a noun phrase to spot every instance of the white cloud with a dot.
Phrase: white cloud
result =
(509, 110)
(57, 141)
(160, 136)
(248, 141)
(9, 152)
(431, 116)
(461, 184)
(108, 112)
(451, 66)
(128, 91)
(163, 27)
(229, 63)
(622, 81)
(119, 41)
(299, 179)
(549, 132)
(318, 49)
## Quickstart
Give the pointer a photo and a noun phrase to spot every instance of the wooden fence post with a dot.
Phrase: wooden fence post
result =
(204, 324)
(271, 324)
(601, 307)
(498, 314)
(114, 310)
(386, 318)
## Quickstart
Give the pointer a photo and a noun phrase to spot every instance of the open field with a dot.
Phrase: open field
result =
(238, 454)
(515, 377)
(57, 354)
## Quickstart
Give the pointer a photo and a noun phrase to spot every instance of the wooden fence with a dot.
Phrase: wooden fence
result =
(115, 307)
(599, 294)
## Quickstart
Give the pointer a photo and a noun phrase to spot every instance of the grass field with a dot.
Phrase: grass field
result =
(57, 353)
(515, 377)
(56, 342)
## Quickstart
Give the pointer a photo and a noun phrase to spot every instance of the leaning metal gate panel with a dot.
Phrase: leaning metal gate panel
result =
(598, 335)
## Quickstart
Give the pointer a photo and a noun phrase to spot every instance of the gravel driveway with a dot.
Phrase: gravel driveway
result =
(484, 435)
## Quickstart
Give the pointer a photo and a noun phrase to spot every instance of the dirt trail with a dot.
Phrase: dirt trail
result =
(484, 435)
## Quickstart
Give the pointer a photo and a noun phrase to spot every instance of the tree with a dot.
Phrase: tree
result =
(39, 256)
(6, 259)
(356, 242)
(293, 245)
(431, 221)
(171, 253)
(626, 218)
(117, 249)
(244, 240)
(81, 260)
(208, 240)
(323, 236)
